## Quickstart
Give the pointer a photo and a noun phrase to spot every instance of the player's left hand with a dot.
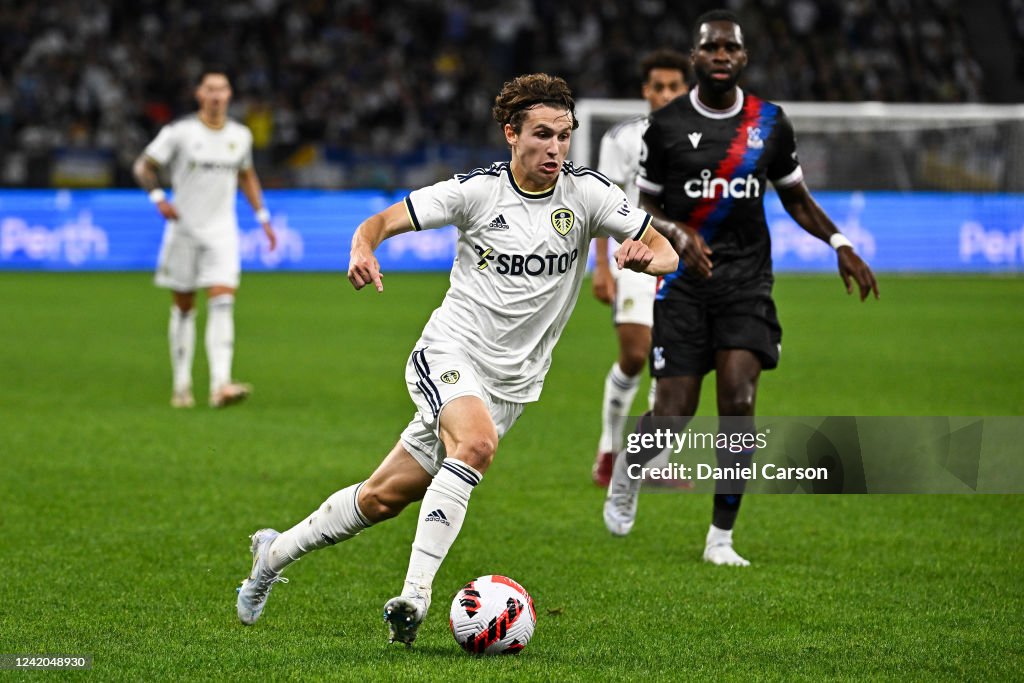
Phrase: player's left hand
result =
(363, 269)
(271, 235)
(853, 268)
(634, 255)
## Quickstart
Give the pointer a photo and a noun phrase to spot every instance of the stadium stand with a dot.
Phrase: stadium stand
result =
(354, 93)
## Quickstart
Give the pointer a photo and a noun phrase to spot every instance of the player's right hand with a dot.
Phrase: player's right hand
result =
(697, 254)
(604, 285)
(364, 269)
(167, 210)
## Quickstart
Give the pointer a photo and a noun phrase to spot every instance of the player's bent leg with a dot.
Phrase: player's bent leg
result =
(470, 439)
(398, 481)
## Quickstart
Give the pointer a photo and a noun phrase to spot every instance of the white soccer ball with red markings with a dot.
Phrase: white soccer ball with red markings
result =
(492, 615)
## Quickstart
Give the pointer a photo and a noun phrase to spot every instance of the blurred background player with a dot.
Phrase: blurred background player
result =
(207, 157)
(706, 162)
(485, 351)
(630, 294)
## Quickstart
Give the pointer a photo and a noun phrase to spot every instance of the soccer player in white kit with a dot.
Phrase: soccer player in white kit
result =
(524, 229)
(631, 294)
(208, 157)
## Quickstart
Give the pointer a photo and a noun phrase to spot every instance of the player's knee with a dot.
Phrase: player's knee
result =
(632, 361)
(740, 404)
(477, 451)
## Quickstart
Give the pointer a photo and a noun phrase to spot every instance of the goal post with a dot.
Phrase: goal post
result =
(873, 145)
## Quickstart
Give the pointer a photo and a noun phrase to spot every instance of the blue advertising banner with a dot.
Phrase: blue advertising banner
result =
(68, 230)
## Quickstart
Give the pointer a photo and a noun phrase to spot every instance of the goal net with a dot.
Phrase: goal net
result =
(873, 145)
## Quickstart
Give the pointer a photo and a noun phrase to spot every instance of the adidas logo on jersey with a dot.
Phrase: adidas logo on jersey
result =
(498, 223)
(437, 516)
(713, 188)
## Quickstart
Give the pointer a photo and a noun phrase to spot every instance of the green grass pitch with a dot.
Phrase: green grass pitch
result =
(124, 523)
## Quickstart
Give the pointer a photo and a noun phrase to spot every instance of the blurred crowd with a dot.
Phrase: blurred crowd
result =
(397, 77)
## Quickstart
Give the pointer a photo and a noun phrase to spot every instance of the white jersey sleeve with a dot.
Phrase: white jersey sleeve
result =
(615, 217)
(437, 205)
(164, 146)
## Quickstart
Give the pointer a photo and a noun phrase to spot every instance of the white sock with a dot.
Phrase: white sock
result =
(337, 520)
(619, 391)
(651, 393)
(718, 536)
(441, 514)
(181, 333)
(220, 338)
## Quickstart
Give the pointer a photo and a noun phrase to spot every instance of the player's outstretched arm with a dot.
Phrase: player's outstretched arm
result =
(363, 268)
(145, 171)
(249, 183)
(799, 203)
(687, 242)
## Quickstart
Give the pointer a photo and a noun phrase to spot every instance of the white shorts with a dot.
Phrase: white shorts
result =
(187, 263)
(437, 374)
(634, 297)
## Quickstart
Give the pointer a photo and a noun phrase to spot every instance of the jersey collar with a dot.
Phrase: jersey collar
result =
(710, 113)
(543, 194)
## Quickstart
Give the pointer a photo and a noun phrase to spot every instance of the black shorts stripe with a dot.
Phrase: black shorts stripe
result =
(434, 408)
(421, 361)
(460, 473)
(426, 385)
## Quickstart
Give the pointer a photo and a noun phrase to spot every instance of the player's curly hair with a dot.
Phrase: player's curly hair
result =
(525, 92)
(664, 59)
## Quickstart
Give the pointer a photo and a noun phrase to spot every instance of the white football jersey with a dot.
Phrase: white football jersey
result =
(519, 264)
(204, 165)
(619, 158)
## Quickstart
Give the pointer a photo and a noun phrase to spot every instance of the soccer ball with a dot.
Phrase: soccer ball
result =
(492, 615)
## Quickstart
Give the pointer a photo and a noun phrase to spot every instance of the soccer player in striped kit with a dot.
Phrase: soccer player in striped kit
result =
(706, 163)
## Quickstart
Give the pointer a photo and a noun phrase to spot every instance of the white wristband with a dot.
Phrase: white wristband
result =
(263, 216)
(839, 240)
(156, 196)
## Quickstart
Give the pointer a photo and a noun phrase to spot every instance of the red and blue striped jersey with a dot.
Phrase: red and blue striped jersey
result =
(710, 168)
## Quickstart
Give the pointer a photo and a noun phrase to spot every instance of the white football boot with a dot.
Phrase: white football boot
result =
(403, 616)
(229, 394)
(182, 399)
(718, 549)
(255, 589)
(621, 501)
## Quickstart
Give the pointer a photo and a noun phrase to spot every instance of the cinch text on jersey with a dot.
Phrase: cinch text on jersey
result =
(535, 264)
(706, 188)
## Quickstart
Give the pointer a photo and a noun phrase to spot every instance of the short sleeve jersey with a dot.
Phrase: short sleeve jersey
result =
(710, 169)
(519, 264)
(619, 159)
(204, 163)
